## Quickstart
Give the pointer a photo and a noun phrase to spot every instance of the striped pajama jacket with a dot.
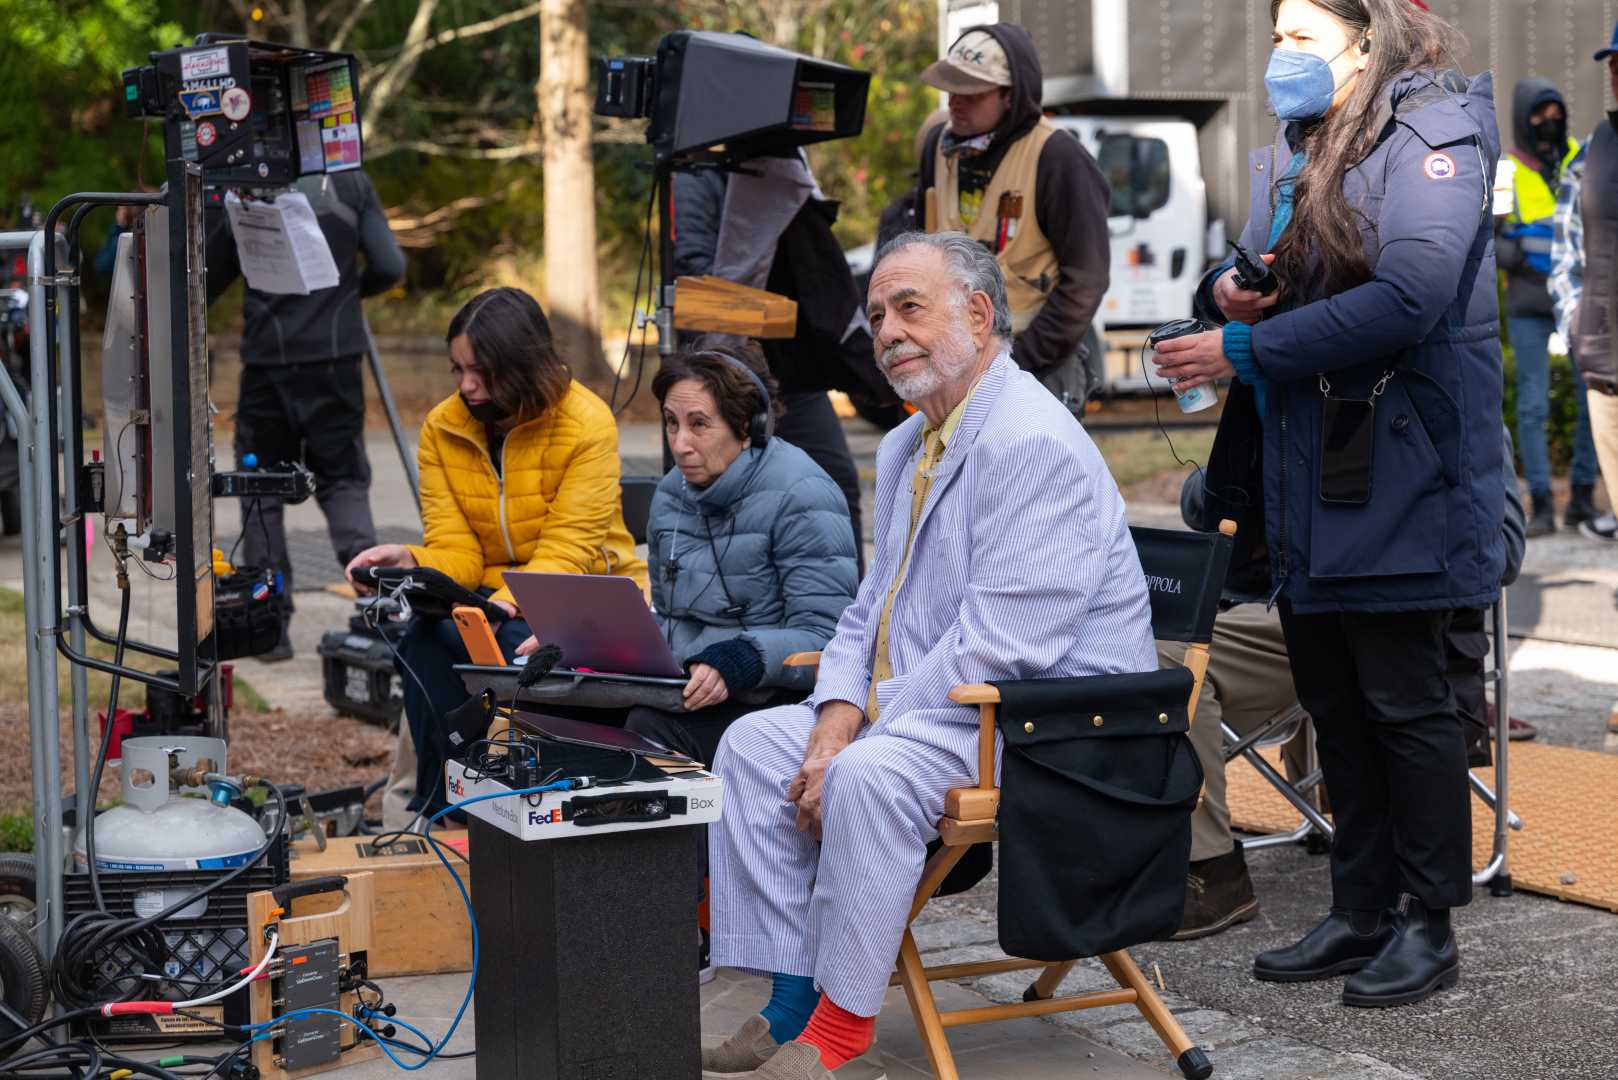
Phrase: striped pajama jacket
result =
(1023, 568)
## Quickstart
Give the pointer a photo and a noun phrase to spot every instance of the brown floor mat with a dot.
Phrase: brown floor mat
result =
(1567, 798)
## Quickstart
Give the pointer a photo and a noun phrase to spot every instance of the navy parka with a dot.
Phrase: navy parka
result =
(1430, 535)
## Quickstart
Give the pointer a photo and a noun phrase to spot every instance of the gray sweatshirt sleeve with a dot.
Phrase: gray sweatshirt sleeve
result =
(384, 261)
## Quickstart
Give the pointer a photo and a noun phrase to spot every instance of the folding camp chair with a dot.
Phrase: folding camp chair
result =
(1186, 574)
(1277, 732)
(1496, 872)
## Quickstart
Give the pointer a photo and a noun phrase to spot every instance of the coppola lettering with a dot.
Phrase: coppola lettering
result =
(1172, 586)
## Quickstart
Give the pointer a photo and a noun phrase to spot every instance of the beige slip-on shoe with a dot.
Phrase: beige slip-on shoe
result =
(801, 1061)
(740, 1054)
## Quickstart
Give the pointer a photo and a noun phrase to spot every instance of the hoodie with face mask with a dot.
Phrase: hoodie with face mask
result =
(1523, 237)
(1070, 205)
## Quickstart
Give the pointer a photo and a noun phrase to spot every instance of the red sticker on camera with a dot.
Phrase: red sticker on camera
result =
(206, 134)
(1439, 166)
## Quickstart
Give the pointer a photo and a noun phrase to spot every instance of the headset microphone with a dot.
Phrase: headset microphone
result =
(761, 425)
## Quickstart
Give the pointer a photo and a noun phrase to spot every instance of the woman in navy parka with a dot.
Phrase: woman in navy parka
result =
(1360, 451)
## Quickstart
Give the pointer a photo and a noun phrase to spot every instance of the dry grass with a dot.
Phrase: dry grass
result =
(315, 748)
(1143, 462)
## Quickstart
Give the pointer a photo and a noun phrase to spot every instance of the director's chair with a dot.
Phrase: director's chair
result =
(1186, 574)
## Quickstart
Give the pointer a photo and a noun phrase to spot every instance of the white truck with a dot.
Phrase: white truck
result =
(1169, 97)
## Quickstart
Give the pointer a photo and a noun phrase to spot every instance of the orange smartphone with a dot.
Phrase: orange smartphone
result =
(479, 639)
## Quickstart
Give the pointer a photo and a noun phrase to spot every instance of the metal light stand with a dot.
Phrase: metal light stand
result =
(50, 422)
(386, 396)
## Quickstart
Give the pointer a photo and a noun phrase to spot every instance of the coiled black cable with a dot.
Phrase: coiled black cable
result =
(87, 940)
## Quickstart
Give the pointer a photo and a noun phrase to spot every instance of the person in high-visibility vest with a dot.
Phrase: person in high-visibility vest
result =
(1523, 250)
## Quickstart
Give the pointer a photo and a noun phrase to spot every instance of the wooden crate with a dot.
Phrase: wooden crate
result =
(419, 924)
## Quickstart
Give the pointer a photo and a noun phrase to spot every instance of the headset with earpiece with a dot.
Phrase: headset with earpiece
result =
(760, 425)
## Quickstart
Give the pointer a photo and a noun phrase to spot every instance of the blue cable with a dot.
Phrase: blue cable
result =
(471, 982)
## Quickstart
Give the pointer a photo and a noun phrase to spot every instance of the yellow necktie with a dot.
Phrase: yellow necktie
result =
(920, 484)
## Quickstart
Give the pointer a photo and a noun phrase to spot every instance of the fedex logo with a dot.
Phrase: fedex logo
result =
(552, 816)
(457, 788)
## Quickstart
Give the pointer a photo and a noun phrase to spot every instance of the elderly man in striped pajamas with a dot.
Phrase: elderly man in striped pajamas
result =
(1002, 552)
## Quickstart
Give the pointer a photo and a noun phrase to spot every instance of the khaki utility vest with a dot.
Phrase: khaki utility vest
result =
(1027, 262)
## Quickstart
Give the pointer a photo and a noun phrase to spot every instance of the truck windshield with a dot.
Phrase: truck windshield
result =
(1138, 171)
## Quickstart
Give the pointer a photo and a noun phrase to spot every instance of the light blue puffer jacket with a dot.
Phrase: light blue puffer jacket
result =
(764, 555)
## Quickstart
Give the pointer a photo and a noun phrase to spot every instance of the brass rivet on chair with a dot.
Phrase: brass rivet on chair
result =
(1162, 718)
(1096, 720)
(1028, 727)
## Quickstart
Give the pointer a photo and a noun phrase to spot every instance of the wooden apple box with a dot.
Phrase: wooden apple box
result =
(419, 925)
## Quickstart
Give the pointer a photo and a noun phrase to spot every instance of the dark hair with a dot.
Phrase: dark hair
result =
(734, 394)
(511, 339)
(1323, 241)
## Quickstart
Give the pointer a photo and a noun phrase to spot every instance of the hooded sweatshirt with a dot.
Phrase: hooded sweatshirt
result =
(1526, 289)
(1526, 96)
(1071, 200)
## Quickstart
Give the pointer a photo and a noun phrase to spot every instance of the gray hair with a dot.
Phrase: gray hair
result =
(970, 263)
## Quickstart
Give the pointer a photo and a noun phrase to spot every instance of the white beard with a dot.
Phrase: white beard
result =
(949, 360)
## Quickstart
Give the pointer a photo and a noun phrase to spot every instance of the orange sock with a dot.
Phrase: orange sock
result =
(838, 1034)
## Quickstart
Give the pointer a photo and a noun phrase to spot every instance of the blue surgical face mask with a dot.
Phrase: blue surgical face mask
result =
(1300, 84)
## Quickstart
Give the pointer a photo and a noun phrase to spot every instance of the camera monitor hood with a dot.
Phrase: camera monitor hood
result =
(713, 90)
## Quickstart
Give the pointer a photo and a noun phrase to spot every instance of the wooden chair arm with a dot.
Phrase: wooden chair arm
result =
(987, 699)
(971, 804)
(803, 659)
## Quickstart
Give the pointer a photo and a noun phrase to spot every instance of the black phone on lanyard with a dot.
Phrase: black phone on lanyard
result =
(1347, 440)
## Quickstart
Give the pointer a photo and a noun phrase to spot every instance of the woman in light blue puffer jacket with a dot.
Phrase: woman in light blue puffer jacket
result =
(749, 544)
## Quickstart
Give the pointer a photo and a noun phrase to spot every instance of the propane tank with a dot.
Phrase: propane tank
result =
(169, 821)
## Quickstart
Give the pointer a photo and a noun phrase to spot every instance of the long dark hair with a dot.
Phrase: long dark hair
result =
(1323, 242)
(512, 341)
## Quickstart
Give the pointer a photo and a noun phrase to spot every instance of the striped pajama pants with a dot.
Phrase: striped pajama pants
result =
(836, 909)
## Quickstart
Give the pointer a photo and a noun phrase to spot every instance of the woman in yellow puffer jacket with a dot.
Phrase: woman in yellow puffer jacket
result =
(519, 471)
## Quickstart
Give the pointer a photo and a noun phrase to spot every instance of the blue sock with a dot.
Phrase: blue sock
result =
(792, 999)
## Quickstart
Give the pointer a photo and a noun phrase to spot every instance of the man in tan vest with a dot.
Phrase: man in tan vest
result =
(1028, 191)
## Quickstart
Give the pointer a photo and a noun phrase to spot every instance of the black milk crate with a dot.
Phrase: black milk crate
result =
(357, 668)
(204, 950)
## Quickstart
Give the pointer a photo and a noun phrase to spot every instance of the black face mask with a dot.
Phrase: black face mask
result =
(1550, 138)
(486, 412)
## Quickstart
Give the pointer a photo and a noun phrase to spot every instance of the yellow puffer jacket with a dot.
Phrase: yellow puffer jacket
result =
(554, 506)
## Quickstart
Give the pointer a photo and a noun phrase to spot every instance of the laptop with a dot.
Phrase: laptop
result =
(601, 624)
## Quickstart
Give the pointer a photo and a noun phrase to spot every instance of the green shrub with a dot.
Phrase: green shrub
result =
(16, 832)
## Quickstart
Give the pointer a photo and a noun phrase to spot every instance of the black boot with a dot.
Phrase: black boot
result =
(1420, 960)
(1332, 948)
(1543, 520)
(283, 648)
(1581, 507)
(1218, 895)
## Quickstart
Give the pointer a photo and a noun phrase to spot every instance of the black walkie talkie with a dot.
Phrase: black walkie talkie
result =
(1253, 273)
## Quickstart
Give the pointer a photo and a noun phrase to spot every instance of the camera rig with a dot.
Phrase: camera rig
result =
(699, 118)
(235, 114)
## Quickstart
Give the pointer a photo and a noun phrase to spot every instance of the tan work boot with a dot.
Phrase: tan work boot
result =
(740, 1054)
(801, 1061)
